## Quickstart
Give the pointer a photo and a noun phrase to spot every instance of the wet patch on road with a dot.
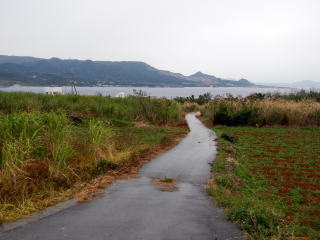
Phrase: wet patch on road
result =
(166, 181)
(168, 189)
(167, 184)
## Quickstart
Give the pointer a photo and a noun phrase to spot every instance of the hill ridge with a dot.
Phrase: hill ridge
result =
(58, 72)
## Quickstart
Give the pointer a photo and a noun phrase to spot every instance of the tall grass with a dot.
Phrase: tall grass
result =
(18, 135)
(131, 108)
(38, 149)
(247, 112)
(313, 94)
(99, 141)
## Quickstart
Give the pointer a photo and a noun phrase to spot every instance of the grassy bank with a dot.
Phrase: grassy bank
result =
(52, 145)
(160, 111)
(268, 180)
(265, 112)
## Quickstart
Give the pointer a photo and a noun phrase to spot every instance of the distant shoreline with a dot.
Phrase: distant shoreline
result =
(144, 86)
(157, 92)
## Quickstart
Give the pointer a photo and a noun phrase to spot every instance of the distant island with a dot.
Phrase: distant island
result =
(31, 71)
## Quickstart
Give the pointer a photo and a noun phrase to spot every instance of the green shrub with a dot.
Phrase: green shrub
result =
(200, 100)
(229, 116)
(255, 219)
(277, 117)
(221, 115)
(102, 166)
(229, 137)
(241, 117)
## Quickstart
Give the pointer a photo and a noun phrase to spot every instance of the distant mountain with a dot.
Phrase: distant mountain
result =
(17, 59)
(306, 84)
(211, 80)
(301, 84)
(58, 72)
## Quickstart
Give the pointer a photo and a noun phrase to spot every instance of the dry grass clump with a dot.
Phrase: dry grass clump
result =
(167, 184)
(302, 113)
(166, 181)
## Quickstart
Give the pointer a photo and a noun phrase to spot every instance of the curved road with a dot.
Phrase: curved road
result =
(137, 209)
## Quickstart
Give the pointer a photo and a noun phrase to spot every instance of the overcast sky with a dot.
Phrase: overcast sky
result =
(263, 41)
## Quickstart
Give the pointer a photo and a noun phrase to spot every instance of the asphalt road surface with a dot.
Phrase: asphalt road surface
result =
(137, 209)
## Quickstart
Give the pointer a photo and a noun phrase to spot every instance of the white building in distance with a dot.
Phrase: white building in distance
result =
(120, 95)
(53, 90)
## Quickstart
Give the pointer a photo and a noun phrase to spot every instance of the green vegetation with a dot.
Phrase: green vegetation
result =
(201, 99)
(302, 95)
(268, 180)
(161, 111)
(296, 96)
(248, 112)
(49, 144)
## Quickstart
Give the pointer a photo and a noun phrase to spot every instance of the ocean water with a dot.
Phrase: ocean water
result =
(159, 92)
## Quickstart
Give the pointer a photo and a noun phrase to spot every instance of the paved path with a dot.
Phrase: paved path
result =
(137, 209)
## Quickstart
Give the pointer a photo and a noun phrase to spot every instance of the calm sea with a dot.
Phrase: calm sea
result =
(157, 91)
